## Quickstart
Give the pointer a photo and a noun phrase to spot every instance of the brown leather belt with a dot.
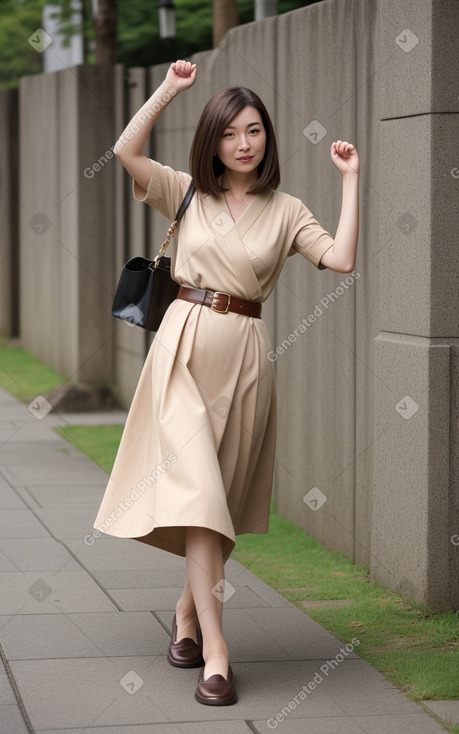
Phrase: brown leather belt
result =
(220, 302)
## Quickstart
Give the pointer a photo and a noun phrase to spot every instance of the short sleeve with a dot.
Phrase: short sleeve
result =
(310, 239)
(165, 191)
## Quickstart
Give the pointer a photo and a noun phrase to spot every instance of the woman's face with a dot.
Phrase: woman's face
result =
(242, 145)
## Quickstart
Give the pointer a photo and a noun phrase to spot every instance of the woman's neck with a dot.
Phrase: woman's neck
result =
(238, 183)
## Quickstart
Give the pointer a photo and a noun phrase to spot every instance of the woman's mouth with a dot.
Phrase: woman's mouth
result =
(245, 158)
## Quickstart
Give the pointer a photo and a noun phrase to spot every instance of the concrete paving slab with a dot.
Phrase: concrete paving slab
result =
(108, 553)
(64, 524)
(64, 495)
(7, 432)
(141, 578)
(19, 413)
(409, 724)
(406, 724)
(6, 564)
(76, 472)
(6, 425)
(161, 599)
(198, 727)
(147, 599)
(21, 523)
(9, 477)
(243, 597)
(15, 411)
(446, 710)
(9, 499)
(361, 691)
(4, 485)
(323, 725)
(264, 592)
(35, 554)
(13, 453)
(32, 430)
(153, 578)
(88, 692)
(51, 592)
(271, 597)
(248, 641)
(105, 634)
(6, 692)
(241, 576)
(165, 694)
(286, 680)
(298, 635)
(12, 721)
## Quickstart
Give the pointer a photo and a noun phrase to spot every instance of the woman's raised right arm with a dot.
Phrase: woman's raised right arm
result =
(129, 146)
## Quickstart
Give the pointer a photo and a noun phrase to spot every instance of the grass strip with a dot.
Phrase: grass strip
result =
(23, 375)
(100, 443)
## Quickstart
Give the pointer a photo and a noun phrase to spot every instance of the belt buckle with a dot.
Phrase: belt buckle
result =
(219, 310)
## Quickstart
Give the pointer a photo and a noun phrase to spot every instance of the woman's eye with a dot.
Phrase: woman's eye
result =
(227, 135)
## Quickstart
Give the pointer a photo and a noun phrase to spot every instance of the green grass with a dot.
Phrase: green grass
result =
(416, 650)
(23, 375)
(99, 442)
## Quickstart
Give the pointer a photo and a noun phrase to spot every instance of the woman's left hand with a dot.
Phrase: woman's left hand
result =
(345, 157)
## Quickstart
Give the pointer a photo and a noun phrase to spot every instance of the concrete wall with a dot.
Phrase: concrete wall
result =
(325, 378)
(416, 472)
(66, 223)
(353, 468)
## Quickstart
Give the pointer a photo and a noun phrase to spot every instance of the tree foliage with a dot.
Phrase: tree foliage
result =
(138, 42)
(18, 20)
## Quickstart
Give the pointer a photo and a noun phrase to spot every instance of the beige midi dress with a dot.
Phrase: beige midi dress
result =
(199, 442)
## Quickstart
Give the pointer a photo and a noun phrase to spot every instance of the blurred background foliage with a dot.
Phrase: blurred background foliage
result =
(137, 38)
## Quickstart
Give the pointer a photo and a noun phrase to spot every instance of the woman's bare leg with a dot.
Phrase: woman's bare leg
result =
(204, 564)
(186, 616)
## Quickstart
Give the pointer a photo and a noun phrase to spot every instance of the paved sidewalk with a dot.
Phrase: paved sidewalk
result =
(85, 627)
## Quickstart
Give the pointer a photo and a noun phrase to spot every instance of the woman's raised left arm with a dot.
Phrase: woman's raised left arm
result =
(341, 256)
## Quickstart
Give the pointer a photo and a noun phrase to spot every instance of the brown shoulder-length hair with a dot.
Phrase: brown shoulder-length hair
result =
(221, 108)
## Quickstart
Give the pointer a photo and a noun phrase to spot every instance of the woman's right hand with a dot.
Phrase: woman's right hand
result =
(181, 75)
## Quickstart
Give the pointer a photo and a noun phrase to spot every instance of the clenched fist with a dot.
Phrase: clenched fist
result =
(181, 75)
(345, 157)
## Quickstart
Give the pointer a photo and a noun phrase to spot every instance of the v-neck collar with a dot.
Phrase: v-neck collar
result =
(220, 178)
(250, 213)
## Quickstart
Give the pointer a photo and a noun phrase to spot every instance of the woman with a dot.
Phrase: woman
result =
(195, 463)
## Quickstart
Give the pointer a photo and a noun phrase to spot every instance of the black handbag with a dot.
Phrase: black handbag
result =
(145, 289)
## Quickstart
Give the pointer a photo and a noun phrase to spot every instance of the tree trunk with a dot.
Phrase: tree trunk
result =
(225, 16)
(105, 31)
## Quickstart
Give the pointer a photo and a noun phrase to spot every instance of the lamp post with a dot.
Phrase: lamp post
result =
(265, 8)
(166, 12)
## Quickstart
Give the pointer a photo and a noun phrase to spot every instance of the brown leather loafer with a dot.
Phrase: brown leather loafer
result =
(216, 691)
(185, 653)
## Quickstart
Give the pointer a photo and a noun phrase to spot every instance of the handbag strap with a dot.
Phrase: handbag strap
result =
(183, 206)
(181, 211)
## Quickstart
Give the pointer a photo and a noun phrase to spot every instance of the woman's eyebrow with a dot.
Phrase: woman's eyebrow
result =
(232, 127)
